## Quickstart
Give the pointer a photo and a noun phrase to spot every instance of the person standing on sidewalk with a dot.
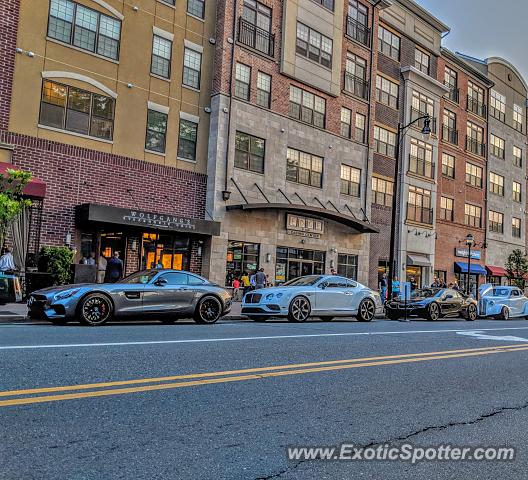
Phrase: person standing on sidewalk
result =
(101, 269)
(260, 279)
(383, 284)
(245, 283)
(7, 262)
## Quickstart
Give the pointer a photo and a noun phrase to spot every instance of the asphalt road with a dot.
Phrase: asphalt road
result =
(362, 386)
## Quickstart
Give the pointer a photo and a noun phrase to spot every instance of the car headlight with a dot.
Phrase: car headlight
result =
(269, 296)
(66, 294)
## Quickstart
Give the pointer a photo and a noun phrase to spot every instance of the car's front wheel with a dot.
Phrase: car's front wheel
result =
(95, 309)
(299, 310)
(208, 311)
(471, 313)
(366, 310)
(433, 312)
(505, 313)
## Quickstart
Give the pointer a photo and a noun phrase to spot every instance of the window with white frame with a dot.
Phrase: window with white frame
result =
(448, 165)
(446, 209)
(388, 43)
(161, 56)
(314, 45)
(422, 61)
(419, 205)
(516, 227)
(495, 222)
(384, 141)
(307, 107)
(517, 156)
(382, 192)
(421, 158)
(359, 133)
(242, 81)
(473, 215)
(192, 62)
(497, 105)
(196, 8)
(496, 184)
(304, 168)
(263, 90)
(387, 91)
(497, 146)
(516, 192)
(346, 119)
(517, 117)
(473, 175)
(350, 180)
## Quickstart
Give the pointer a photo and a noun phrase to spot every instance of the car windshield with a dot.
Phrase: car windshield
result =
(424, 293)
(140, 277)
(303, 281)
(501, 292)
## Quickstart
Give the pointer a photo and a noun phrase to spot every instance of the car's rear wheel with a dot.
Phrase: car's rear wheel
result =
(505, 313)
(433, 312)
(366, 310)
(299, 310)
(471, 313)
(208, 311)
(95, 309)
(326, 319)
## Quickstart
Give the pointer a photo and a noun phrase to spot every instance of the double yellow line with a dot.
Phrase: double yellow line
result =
(34, 395)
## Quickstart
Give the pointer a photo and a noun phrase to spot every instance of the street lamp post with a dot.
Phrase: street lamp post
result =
(470, 241)
(426, 130)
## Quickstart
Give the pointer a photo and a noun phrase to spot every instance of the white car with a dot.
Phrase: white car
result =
(502, 302)
(324, 296)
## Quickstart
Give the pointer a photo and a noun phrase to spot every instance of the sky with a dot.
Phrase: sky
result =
(485, 28)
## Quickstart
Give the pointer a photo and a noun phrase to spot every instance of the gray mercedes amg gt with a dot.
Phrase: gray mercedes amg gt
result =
(166, 295)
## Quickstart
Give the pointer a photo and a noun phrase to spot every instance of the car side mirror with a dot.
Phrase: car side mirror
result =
(160, 282)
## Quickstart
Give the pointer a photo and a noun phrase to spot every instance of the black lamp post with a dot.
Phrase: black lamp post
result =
(426, 130)
(470, 241)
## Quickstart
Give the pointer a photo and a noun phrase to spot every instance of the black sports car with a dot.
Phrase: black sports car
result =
(432, 304)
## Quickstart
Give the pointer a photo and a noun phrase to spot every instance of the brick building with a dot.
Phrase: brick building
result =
(107, 104)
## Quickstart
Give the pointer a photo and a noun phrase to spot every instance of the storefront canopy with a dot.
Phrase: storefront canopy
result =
(476, 269)
(35, 188)
(354, 223)
(418, 260)
(496, 271)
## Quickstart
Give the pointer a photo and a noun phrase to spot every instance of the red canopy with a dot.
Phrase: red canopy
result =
(35, 188)
(496, 271)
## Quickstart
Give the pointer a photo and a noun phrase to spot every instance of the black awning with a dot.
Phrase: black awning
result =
(92, 212)
(353, 223)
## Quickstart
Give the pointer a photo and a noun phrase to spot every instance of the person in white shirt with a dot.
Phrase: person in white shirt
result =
(101, 269)
(7, 262)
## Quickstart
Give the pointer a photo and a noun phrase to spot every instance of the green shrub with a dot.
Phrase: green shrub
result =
(57, 261)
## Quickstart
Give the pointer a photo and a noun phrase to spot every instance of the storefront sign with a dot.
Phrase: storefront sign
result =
(304, 226)
(464, 253)
(159, 221)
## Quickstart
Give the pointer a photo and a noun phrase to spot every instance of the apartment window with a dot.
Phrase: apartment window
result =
(497, 146)
(516, 189)
(388, 43)
(475, 139)
(357, 22)
(421, 158)
(448, 165)
(419, 205)
(346, 119)
(350, 180)
(192, 61)
(356, 76)
(473, 175)
(473, 216)
(495, 222)
(384, 141)
(387, 92)
(187, 140)
(263, 90)
(421, 61)
(449, 127)
(451, 82)
(516, 227)
(76, 110)
(304, 168)
(517, 117)
(156, 131)
(347, 266)
(496, 184)
(255, 27)
(359, 134)
(498, 105)
(170, 2)
(242, 81)
(475, 99)
(249, 152)
(161, 56)
(446, 209)
(517, 156)
(85, 28)
(422, 104)
(313, 45)
(307, 107)
(382, 192)
(326, 3)
(196, 8)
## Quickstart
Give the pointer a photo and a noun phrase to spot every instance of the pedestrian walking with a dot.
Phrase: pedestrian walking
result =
(114, 269)
(395, 287)
(236, 289)
(383, 284)
(246, 284)
(260, 279)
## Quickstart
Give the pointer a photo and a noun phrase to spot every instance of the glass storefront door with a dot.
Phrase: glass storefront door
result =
(167, 250)
(414, 272)
(295, 262)
(241, 257)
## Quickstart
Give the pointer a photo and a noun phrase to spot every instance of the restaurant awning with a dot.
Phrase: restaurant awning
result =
(35, 188)
(476, 269)
(496, 271)
(418, 260)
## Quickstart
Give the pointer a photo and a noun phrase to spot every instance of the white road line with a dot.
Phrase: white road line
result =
(240, 339)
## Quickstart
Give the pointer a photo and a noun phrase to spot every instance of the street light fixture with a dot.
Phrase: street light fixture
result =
(470, 241)
(402, 130)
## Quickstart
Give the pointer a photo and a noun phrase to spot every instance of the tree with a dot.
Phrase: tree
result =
(517, 267)
(12, 201)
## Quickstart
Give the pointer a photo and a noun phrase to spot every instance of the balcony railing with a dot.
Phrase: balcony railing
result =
(453, 94)
(415, 213)
(476, 147)
(449, 135)
(420, 166)
(256, 37)
(415, 114)
(358, 31)
(476, 107)
(356, 86)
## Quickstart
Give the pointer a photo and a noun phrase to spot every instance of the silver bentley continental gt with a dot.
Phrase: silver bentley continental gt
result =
(166, 295)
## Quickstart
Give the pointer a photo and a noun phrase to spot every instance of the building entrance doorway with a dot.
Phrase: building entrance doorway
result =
(295, 262)
(112, 243)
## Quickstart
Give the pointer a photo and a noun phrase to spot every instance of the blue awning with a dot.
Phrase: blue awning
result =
(476, 269)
